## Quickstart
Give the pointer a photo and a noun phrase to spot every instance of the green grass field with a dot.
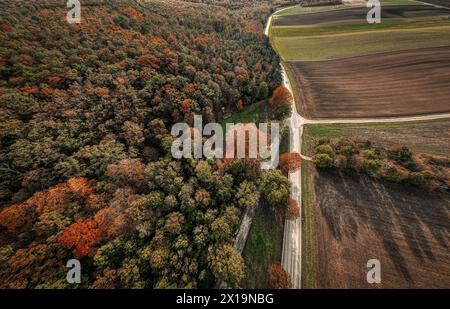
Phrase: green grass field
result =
(352, 44)
(359, 26)
(255, 113)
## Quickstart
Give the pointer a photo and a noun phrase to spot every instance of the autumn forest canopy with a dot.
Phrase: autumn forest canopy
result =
(85, 166)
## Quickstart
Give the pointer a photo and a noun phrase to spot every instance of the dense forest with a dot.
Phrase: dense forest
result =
(85, 167)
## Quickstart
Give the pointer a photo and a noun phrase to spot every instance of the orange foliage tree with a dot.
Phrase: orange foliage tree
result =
(130, 12)
(290, 162)
(127, 173)
(186, 106)
(81, 236)
(149, 61)
(293, 210)
(17, 218)
(63, 194)
(280, 95)
(20, 217)
(277, 277)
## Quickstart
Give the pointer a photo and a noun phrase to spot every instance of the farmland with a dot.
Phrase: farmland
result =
(359, 13)
(357, 219)
(388, 84)
(345, 32)
(340, 67)
(343, 67)
(370, 71)
(351, 219)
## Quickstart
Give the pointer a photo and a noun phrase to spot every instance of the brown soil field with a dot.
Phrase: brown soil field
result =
(359, 13)
(357, 219)
(399, 83)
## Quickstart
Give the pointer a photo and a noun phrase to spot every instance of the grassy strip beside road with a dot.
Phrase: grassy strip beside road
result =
(309, 268)
(263, 247)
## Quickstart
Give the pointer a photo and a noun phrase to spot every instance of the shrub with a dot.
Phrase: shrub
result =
(404, 156)
(356, 162)
(283, 111)
(340, 161)
(325, 149)
(346, 148)
(369, 154)
(371, 166)
(323, 160)
(394, 174)
(400, 154)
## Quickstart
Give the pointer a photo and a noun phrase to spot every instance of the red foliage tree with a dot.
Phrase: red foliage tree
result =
(279, 96)
(29, 89)
(277, 277)
(81, 236)
(47, 91)
(102, 91)
(5, 27)
(290, 162)
(55, 80)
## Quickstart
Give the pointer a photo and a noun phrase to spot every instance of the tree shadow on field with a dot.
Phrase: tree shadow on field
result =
(349, 203)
